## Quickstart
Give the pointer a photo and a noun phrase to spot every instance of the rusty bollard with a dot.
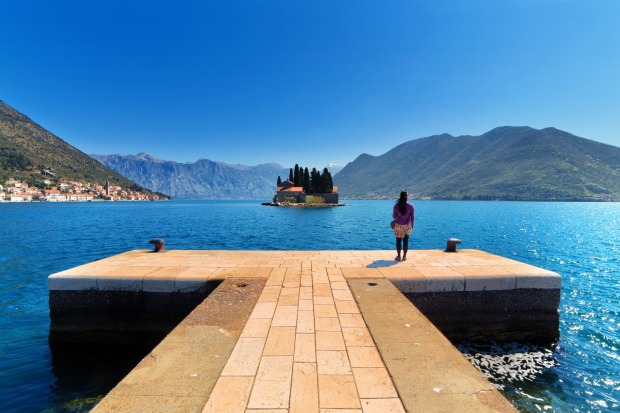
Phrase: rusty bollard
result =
(159, 244)
(452, 243)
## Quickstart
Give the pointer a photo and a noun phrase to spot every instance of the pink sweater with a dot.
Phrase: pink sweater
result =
(407, 218)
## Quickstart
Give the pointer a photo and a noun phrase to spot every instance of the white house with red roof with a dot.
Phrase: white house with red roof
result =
(53, 195)
(288, 192)
(19, 197)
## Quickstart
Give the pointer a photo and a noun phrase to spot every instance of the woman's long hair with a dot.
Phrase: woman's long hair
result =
(402, 202)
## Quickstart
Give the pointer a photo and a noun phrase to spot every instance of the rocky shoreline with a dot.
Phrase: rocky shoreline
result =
(301, 205)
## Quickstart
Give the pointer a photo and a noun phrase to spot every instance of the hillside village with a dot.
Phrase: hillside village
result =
(69, 191)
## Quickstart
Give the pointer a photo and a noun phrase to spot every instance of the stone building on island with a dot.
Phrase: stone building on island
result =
(288, 192)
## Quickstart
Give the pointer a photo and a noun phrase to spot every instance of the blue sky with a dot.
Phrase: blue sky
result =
(308, 82)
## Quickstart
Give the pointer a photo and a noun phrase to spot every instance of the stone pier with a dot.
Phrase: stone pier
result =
(305, 331)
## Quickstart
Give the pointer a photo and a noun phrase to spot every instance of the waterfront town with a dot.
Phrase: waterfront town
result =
(69, 191)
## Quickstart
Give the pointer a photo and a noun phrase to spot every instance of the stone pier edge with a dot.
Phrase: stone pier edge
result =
(425, 271)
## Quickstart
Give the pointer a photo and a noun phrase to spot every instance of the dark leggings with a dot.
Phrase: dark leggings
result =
(399, 242)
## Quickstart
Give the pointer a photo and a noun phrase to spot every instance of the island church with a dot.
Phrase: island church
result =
(287, 191)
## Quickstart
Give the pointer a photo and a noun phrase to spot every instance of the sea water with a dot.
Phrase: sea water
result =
(580, 241)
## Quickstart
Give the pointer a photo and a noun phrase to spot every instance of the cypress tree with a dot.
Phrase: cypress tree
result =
(312, 182)
(306, 181)
(315, 177)
(324, 181)
(296, 175)
(279, 180)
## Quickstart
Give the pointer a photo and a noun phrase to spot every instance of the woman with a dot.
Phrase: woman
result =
(403, 225)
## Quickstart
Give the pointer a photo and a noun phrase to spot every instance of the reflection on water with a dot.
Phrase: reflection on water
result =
(517, 369)
(84, 373)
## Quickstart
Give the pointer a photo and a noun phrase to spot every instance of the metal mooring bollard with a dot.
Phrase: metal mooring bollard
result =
(452, 243)
(159, 244)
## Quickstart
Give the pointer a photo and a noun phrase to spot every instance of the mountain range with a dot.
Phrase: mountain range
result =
(203, 179)
(507, 163)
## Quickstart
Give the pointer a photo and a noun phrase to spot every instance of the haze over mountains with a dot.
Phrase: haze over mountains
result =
(508, 163)
(203, 179)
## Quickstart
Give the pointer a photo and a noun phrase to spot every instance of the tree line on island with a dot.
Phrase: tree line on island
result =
(312, 182)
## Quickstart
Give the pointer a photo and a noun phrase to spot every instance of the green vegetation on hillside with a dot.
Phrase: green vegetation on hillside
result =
(26, 150)
(507, 163)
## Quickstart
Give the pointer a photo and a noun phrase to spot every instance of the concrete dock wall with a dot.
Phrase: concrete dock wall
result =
(523, 315)
(468, 295)
(122, 317)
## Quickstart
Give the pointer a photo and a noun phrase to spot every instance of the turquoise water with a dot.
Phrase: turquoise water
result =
(581, 241)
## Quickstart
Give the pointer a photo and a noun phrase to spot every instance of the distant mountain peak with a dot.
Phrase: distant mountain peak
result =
(510, 163)
(148, 156)
(202, 179)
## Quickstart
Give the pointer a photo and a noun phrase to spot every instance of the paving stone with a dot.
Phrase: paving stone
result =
(305, 293)
(256, 327)
(306, 305)
(329, 340)
(327, 324)
(490, 282)
(268, 298)
(319, 278)
(544, 281)
(351, 320)
(361, 273)
(71, 283)
(245, 357)
(264, 310)
(322, 290)
(333, 362)
(383, 406)
(285, 316)
(357, 337)
(290, 290)
(304, 389)
(272, 386)
(338, 391)
(374, 383)
(305, 322)
(325, 311)
(342, 295)
(275, 279)
(324, 300)
(280, 342)
(305, 350)
(341, 411)
(347, 307)
(230, 394)
(288, 299)
(364, 357)
(272, 289)
(340, 285)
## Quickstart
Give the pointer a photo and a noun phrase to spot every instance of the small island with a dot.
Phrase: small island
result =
(306, 189)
